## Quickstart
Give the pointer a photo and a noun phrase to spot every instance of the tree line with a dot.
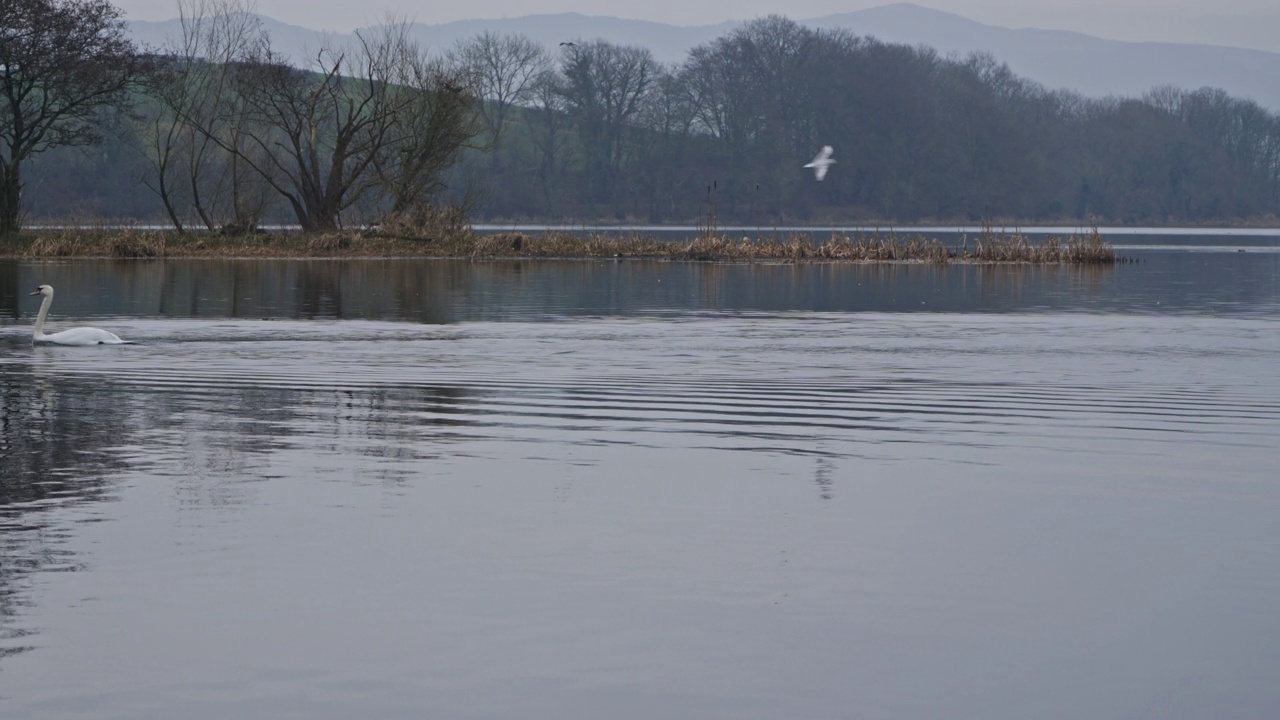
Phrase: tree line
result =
(219, 131)
(608, 132)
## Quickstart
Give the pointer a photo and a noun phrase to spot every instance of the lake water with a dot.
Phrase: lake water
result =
(389, 489)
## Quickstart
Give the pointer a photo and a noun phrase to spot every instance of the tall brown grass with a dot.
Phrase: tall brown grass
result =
(441, 240)
(1017, 247)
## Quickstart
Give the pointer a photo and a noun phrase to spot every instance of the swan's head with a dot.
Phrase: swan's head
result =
(45, 290)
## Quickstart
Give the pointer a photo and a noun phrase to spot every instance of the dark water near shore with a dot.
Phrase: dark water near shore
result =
(387, 489)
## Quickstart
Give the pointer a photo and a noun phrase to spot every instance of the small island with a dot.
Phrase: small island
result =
(987, 246)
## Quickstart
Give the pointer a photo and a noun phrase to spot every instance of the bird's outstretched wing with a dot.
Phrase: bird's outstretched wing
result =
(822, 162)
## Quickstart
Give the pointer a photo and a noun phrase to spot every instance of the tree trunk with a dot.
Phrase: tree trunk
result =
(171, 210)
(198, 203)
(162, 189)
(10, 193)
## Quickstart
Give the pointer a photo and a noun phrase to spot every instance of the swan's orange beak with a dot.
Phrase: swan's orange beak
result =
(37, 292)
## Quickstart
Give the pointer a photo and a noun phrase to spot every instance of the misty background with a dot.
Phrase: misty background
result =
(1239, 23)
(1049, 54)
(936, 117)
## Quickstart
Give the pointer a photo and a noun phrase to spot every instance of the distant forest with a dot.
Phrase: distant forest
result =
(598, 132)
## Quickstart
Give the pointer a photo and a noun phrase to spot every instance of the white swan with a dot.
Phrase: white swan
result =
(74, 336)
(822, 162)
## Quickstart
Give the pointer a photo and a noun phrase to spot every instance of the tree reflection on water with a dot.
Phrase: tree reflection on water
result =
(55, 452)
(70, 440)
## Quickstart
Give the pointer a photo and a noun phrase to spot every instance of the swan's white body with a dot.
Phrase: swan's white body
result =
(74, 336)
(822, 162)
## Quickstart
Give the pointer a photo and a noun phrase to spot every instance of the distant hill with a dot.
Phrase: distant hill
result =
(1055, 58)
(668, 43)
(296, 42)
(1060, 59)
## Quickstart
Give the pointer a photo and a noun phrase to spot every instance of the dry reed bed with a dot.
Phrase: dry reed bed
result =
(151, 244)
(989, 247)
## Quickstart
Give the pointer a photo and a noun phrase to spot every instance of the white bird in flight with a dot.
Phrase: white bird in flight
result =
(822, 162)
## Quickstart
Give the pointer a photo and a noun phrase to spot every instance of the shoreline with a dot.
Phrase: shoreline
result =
(465, 244)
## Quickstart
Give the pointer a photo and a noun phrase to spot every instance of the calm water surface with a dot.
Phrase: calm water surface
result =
(388, 489)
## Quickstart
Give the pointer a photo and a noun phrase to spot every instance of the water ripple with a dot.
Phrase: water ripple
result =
(745, 379)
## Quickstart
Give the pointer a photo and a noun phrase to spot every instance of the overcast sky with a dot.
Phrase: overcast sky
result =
(1220, 21)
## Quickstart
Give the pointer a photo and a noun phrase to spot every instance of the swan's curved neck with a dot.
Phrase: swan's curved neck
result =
(38, 331)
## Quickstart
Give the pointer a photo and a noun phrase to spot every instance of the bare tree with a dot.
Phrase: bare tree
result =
(316, 133)
(376, 118)
(667, 117)
(194, 102)
(166, 138)
(62, 62)
(435, 120)
(502, 68)
(226, 192)
(720, 90)
(548, 131)
(604, 89)
(754, 90)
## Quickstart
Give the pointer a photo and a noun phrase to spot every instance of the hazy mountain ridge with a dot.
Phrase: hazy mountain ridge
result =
(669, 43)
(1055, 58)
(1062, 58)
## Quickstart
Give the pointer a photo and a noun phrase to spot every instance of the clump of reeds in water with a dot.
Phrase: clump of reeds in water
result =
(442, 226)
(137, 245)
(567, 245)
(447, 240)
(53, 246)
(133, 244)
(707, 247)
(991, 246)
(802, 248)
(97, 243)
(889, 247)
(884, 248)
(328, 243)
